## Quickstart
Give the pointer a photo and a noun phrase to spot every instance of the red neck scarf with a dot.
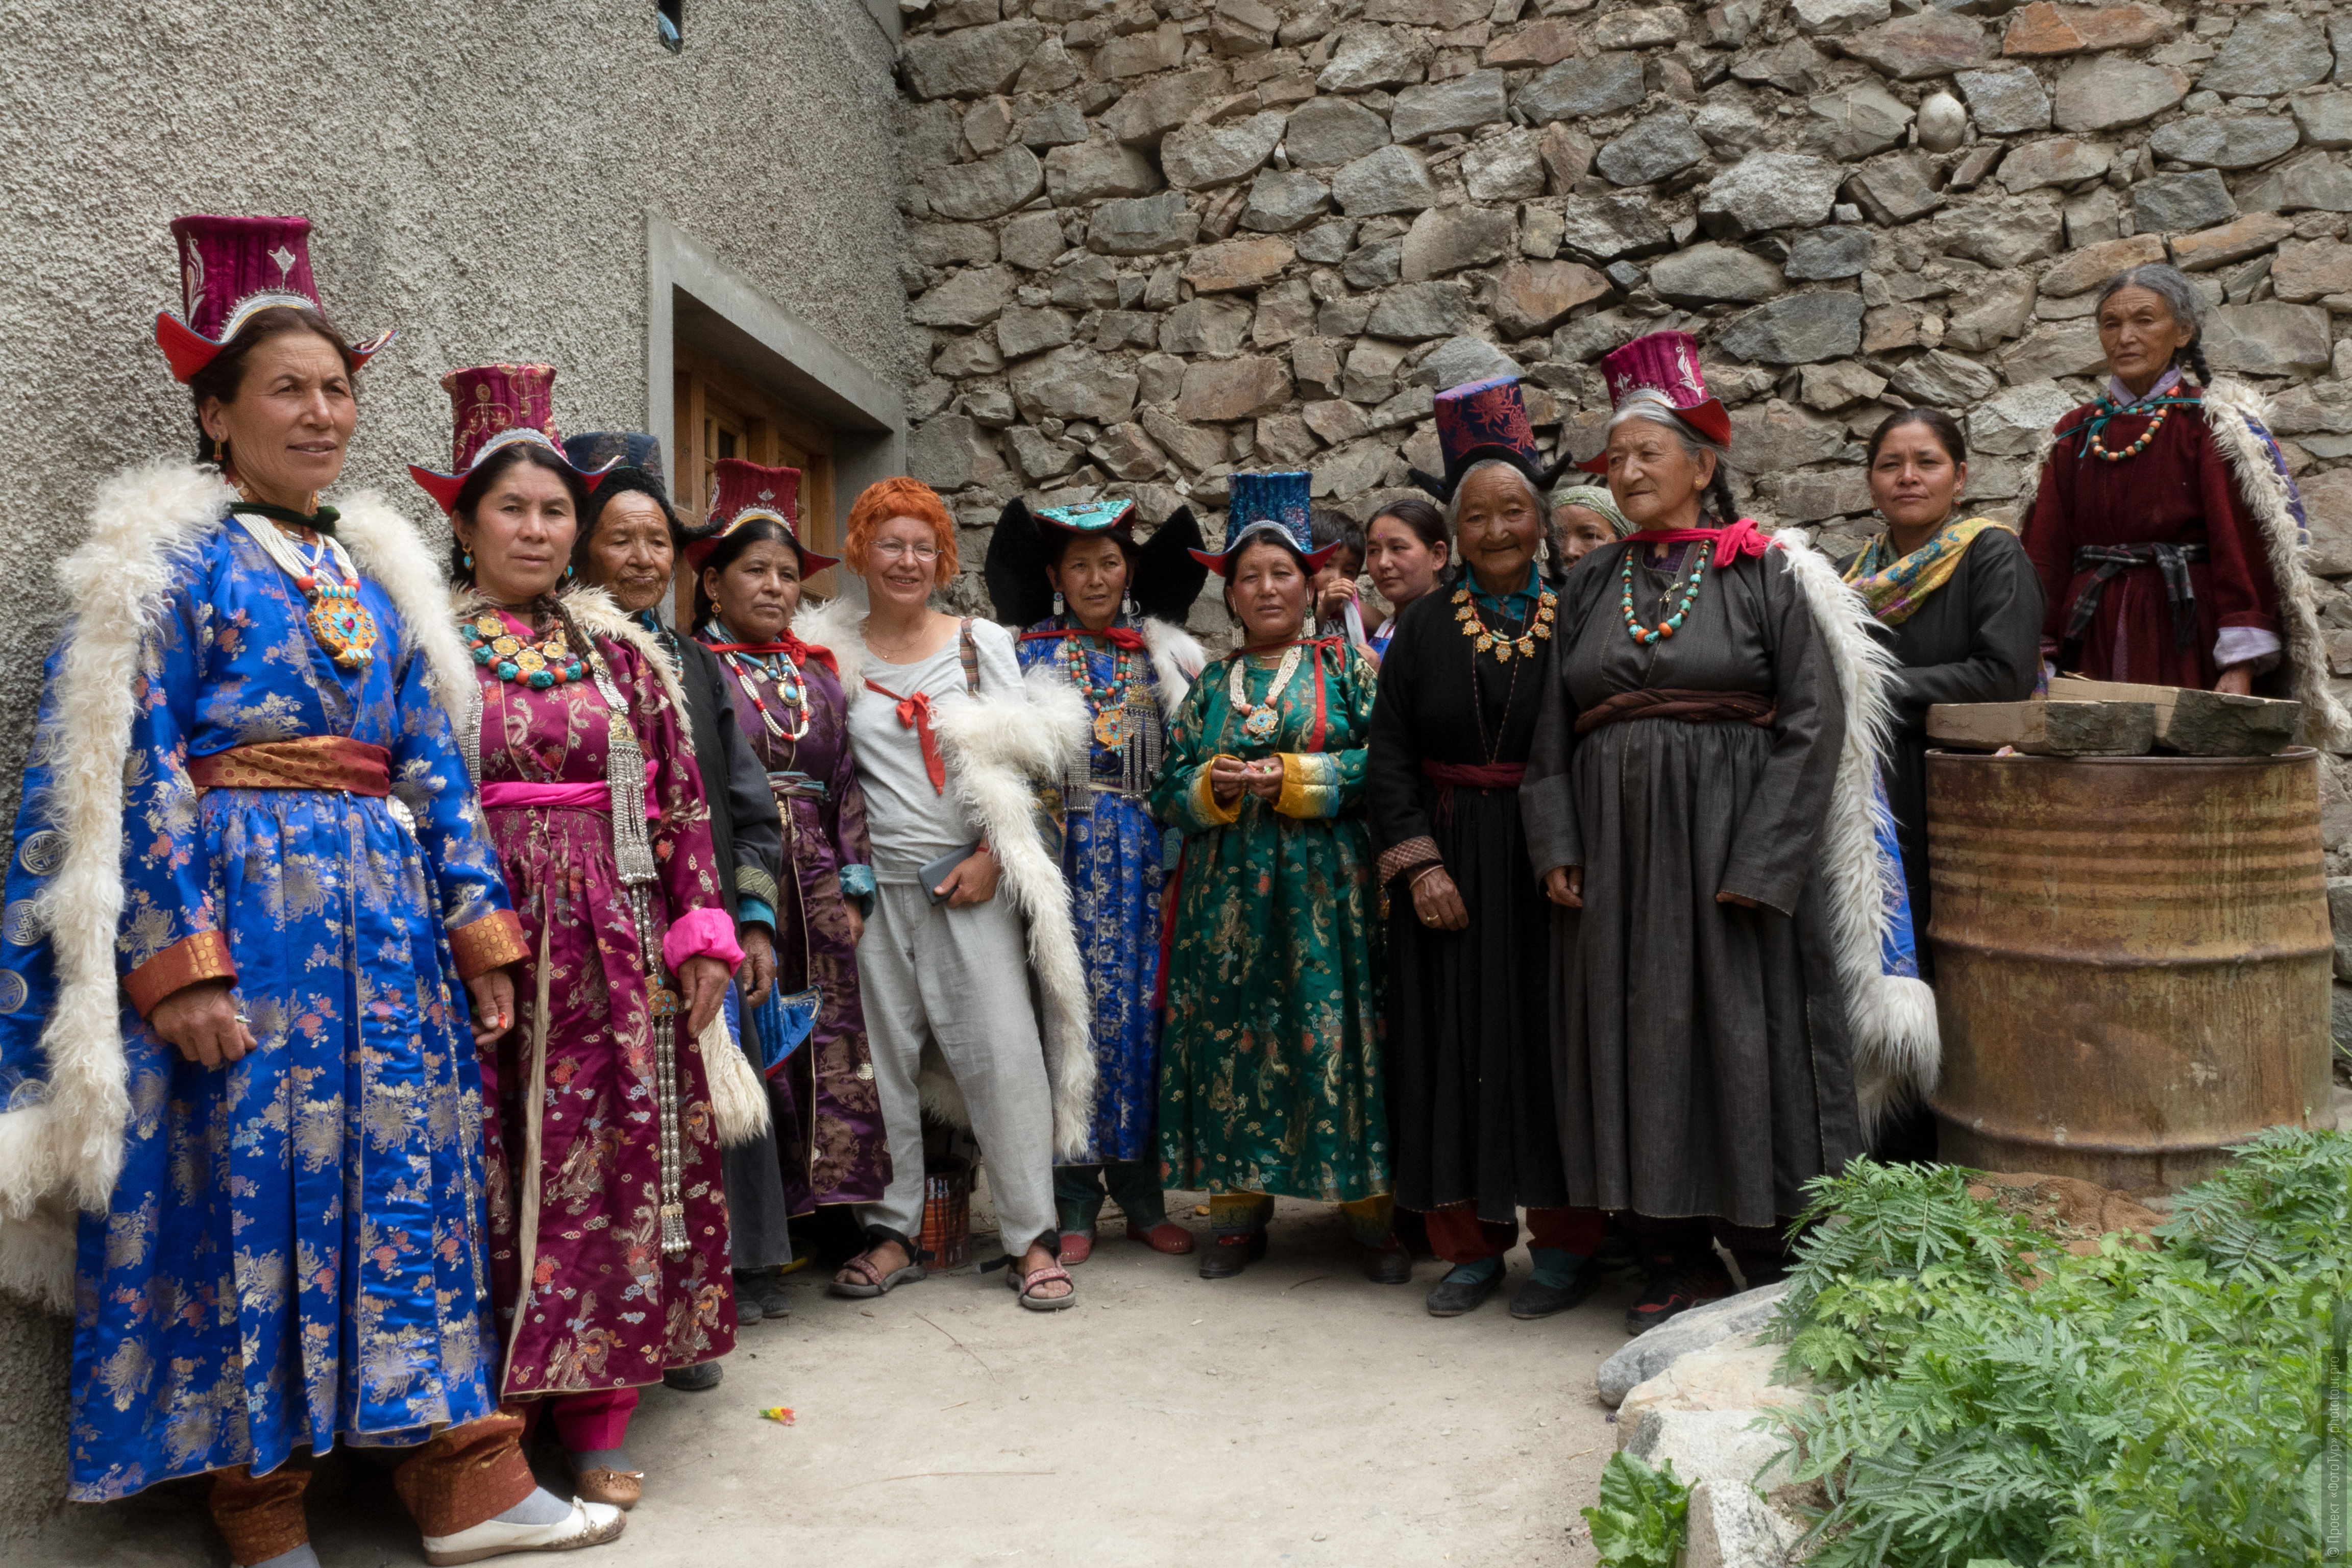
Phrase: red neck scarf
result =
(1730, 542)
(791, 647)
(915, 713)
(1127, 638)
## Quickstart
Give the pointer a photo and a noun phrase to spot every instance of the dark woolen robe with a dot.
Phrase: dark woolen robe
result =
(1469, 1050)
(1701, 1052)
(2178, 491)
(1974, 639)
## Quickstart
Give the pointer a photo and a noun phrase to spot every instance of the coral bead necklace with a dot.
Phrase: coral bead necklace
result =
(2159, 409)
(548, 662)
(1645, 635)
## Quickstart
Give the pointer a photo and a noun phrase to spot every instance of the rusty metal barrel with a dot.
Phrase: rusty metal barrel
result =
(2132, 960)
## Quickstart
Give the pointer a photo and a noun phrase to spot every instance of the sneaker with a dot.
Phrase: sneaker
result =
(1675, 1289)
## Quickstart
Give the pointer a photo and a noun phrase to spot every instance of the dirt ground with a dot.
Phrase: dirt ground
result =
(1297, 1414)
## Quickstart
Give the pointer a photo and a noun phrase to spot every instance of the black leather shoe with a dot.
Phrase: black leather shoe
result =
(1228, 1254)
(700, 1378)
(1537, 1299)
(1391, 1266)
(1454, 1295)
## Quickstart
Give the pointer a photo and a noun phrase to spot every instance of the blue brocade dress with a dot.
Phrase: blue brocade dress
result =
(294, 1251)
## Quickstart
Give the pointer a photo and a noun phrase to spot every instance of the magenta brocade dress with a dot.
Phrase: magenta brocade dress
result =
(605, 1309)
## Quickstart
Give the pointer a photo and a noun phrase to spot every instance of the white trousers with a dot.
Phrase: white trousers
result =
(960, 977)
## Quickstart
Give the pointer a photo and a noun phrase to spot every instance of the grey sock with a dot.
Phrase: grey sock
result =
(300, 1557)
(599, 1459)
(542, 1507)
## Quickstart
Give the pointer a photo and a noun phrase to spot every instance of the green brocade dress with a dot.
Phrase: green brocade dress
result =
(1270, 1061)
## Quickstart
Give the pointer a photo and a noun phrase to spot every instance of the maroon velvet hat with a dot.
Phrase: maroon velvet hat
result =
(495, 405)
(232, 269)
(1483, 420)
(746, 492)
(1664, 363)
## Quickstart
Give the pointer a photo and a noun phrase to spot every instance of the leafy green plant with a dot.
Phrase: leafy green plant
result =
(1984, 1393)
(1644, 1518)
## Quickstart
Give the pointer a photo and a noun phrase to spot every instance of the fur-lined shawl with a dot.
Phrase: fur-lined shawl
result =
(2239, 420)
(995, 747)
(64, 1150)
(1898, 1049)
(1177, 660)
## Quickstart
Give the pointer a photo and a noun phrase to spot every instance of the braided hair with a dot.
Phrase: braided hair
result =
(2171, 285)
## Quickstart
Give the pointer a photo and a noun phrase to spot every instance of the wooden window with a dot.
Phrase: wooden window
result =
(721, 414)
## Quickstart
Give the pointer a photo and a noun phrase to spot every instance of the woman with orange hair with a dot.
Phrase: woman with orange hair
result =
(968, 899)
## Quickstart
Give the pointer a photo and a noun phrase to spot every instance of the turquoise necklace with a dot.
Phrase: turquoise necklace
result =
(1644, 635)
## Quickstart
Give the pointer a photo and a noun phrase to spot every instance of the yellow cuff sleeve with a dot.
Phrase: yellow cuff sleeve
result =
(1205, 805)
(1310, 785)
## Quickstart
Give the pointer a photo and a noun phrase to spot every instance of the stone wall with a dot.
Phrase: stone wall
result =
(1153, 241)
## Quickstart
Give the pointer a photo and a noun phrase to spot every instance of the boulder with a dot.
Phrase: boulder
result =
(1460, 361)
(1715, 275)
(2110, 92)
(1542, 43)
(1149, 110)
(1284, 312)
(2225, 142)
(1389, 180)
(2270, 51)
(1506, 168)
(1639, 29)
(951, 452)
(1831, 386)
(2248, 236)
(1237, 264)
(1054, 125)
(1942, 122)
(1218, 391)
(1050, 70)
(1926, 43)
(2326, 118)
(945, 244)
(1372, 57)
(1128, 453)
(1020, 331)
(1031, 241)
(1533, 296)
(2005, 100)
(1417, 310)
(1943, 380)
(1089, 283)
(1583, 89)
(1040, 457)
(1770, 437)
(1841, 251)
(971, 299)
(1567, 154)
(2271, 338)
(2059, 161)
(1603, 228)
(1731, 128)
(1653, 148)
(1074, 384)
(1833, 18)
(2175, 203)
(1193, 447)
(1734, 1374)
(2014, 421)
(1796, 330)
(2005, 234)
(2054, 349)
(1209, 324)
(1459, 103)
(2044, 29)
(1083, 172)
(1282, 199)
(1374, 266)
(988, 188)
(1197, 157)
(1856, 122)
(1140, 53)
(1731, 1525)
(1896, 189)
(2314, 183)
(1991, 313)
(1768, 191)
(1143, 226)
(2312, 269)
(1326, 242)
(1325, 132)
(970, 62)
(1721, 1447)
(1816, 496)
(1792, 67)
(1447, 239)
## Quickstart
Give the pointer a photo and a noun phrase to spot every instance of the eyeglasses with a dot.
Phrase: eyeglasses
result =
(892, 549)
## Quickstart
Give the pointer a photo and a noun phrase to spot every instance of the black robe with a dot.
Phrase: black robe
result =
(1977, 638)
(1468, 1046)
(1701, 1050)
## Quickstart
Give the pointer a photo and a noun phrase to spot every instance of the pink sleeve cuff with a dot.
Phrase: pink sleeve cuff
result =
(701, 933)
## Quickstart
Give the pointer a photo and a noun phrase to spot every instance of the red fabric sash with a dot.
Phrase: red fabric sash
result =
(1127, 638)
(915, 713)
(1730, 543)
(799, 652)
(313, 762)
(1447, 776)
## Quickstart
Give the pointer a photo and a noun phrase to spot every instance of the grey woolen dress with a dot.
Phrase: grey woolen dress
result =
(1701, 1051)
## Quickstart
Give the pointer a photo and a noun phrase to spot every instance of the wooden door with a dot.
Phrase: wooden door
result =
(721, 414)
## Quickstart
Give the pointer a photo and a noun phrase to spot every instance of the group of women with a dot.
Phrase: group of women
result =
(426, 1001)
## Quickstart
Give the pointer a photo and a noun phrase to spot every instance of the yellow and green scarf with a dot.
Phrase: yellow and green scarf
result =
(1893, 587)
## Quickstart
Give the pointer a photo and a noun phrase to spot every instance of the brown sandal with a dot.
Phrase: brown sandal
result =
(873, 1281)
(1025, 1285)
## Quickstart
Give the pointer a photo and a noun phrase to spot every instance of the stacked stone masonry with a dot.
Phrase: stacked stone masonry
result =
(1154, 241)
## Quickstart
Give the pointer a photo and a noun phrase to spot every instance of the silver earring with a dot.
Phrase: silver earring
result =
(1127, 606)
(1307, 624)
(1057, 601)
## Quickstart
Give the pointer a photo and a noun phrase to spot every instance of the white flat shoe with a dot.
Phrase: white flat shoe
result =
(589, 1524)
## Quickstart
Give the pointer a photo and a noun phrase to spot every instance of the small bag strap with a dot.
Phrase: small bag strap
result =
(968, 651)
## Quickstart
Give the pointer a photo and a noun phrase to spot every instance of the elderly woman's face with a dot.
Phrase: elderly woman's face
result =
(292, 419)
(903, 562)
(1583, 531)
(1657, 483)
(1268, 593)
(521, 533)
(1496, 525)
(756, 593)
(629, 554)
(2139, 334)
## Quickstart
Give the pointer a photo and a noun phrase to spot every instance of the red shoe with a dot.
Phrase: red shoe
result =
(1078, 1246)
(1167, 1237)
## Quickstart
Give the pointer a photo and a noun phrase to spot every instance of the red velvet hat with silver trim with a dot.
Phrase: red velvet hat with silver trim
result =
(746, 492)
(495, 405)
(232, 269)
(1667, 364)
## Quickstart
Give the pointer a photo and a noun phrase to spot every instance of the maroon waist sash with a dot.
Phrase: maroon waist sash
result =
(1690, 707)
(1448, 776)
